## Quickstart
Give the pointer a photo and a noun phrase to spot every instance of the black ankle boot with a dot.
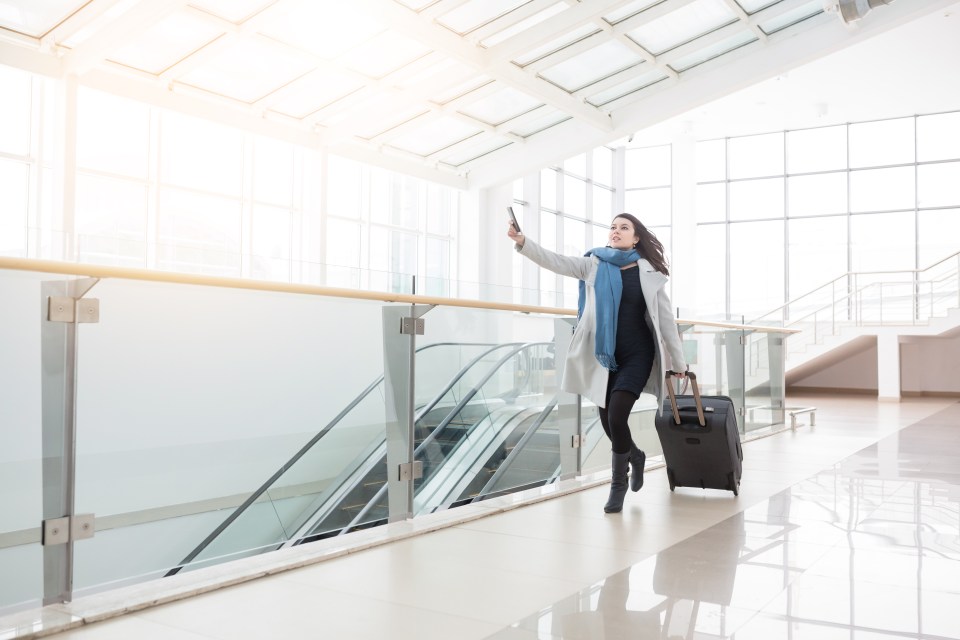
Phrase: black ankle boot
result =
(618, 485)
(637, 460)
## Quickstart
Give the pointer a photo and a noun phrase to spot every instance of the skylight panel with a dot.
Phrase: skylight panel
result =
(555, 45)
(684, 24)
(313, 92)
(167, 42)
(523, 25)
(247, 71)
(712, 51)
(550, 118)
(235, 11)
(384, 54)
(35, 18)
(626, 88)
(500, 107)
(629, 10)
(591, 65)
(468, 153)
(475, 13)
(752, 6)
(434, 136)
(790, 18)
(323, 28)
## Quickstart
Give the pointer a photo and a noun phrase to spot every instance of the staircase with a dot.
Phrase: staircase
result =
(848, 314)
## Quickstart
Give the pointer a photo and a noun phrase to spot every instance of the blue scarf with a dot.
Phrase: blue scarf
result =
(608, 288)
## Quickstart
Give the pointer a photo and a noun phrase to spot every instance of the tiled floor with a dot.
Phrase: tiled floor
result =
(849, 529)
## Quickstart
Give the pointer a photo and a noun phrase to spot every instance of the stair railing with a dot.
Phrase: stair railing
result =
(870, 298)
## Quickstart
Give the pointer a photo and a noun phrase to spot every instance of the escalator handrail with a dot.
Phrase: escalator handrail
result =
(524, 439)
(370, 459)
(253, 497)
(433, 434)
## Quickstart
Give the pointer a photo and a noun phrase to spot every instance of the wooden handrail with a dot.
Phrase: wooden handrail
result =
(105, 271)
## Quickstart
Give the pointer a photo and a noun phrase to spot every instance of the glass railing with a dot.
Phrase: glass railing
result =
(870, 299)
(216, 418)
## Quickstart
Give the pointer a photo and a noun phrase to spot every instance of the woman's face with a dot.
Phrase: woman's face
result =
(622, 234)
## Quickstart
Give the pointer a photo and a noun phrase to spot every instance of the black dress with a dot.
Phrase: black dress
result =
(635, 348)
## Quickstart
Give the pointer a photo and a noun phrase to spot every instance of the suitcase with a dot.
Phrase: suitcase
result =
(700, 439)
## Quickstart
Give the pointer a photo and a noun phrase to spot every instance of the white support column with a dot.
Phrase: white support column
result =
(888, 367)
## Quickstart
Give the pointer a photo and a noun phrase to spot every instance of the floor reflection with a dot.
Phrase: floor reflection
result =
(868, 549)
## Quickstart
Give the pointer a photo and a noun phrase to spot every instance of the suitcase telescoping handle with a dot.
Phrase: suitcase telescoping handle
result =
(696, 396)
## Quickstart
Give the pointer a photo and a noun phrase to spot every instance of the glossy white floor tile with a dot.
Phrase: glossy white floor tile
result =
(849, 529)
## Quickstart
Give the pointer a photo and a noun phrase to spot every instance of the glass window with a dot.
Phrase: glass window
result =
(817, 253)
(574, 237)
(603, 166)
(600, 234)
(113, 208)
(199, 232)
(938, 185)
(882, 189)
(441, 208)
(938, 137)
(574, 196)
(602, 203)
(548, 240)
(712, 202)
(711, 278)
(756, 267)
(875, 144)
(191, 218)
(15, 109)
(756, 156)
(652, 206)
(647, 167)
(577, 165)
(437, 267)
(343, 242)
(270, 236)
(381, 196)
(14, 185)
(518, 190)
(273, 171)
(823, 149)
(756, 199)
(200, 154)
(882, 241)
(548, 189)
(343, 187)
(711, 160)
(939, 231)
(113, 134)
(817, 194)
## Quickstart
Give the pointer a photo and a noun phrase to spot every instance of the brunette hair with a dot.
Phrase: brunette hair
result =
(648, 246)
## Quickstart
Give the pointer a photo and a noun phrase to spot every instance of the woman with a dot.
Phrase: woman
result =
(626, 336)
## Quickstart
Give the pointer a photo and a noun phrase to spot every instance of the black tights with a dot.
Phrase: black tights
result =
(614, 420)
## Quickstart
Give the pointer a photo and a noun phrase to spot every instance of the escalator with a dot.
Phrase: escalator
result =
(486, 405)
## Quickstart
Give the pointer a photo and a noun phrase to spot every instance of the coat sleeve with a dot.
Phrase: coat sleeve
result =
(574, 267)
(669, 332)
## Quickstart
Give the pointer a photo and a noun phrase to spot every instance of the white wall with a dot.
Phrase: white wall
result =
(930, 365)
(858, 372)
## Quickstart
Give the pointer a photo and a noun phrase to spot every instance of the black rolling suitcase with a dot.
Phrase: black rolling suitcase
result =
(700, 439)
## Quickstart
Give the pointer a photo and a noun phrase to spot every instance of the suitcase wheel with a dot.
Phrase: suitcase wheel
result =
(732, 484)
(673, 484)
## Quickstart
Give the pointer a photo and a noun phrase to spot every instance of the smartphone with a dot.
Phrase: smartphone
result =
(513, 220)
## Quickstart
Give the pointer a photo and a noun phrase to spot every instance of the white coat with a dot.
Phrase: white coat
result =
(582, 372)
